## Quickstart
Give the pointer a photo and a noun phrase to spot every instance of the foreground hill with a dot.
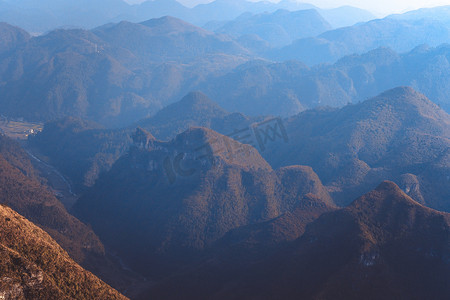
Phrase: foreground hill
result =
(399, 135)
(383, 246)
(34, 266)
(163, 203)
(23, 189)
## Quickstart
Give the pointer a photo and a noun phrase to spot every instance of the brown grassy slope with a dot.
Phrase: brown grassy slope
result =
(34, 266)
(33, 200)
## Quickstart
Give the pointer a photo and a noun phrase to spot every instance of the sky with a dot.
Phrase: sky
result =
(379, 7)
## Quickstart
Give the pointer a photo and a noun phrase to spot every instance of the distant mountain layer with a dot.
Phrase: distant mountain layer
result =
(120, 73)
(440, 13)
(52, 14)
(261, 88)
(114, 75)
(34, 266)
(400, 35)
(383, 246)
(163, 203)
(399, 135)
(279, 28)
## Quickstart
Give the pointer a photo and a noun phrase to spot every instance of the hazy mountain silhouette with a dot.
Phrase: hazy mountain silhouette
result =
(400, 35)
(440, 13)
(383, 246)
(51, 14)
(34, 266)
(279, 28)
(167, 39)
(346, 16)
(249, 197)
(259, 88)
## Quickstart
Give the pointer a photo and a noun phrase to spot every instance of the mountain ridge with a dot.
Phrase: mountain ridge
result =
(368, 249)
(186, 194)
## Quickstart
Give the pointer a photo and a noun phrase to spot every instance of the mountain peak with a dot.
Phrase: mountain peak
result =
(167, 24)
(386, 193)
(407, 100)
(402, 91)
(388, 187)
(198, 99)
(195, 109)
(218, 146)
(11, 36)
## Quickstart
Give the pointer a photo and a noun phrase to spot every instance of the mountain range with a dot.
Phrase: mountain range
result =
(119, 73)
(352, 149)
(401, 35)
(262, 88)
(171, 200)
(77, 73)
(237, 149)
(382, 246)
(279, 28)
(399, 135)
(51, 14)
